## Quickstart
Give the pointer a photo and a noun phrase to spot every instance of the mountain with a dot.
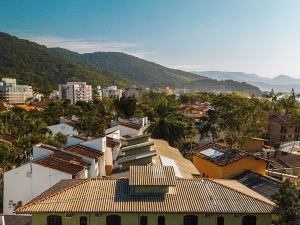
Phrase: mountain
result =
(44, 68)
(280, 83)
(149, 74)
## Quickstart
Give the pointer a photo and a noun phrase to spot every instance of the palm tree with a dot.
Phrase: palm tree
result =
(168, 123)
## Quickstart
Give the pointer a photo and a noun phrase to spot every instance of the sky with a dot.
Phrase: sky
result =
(252, 36)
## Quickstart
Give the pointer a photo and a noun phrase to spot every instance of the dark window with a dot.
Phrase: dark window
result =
(83, 220)
(190, 220)
(54, 220)
(220, 220)
(249, 220)
(143, 220)
(113, 220)
(161, 220)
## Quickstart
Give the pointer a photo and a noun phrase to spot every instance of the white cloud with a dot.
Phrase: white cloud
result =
(87, 46)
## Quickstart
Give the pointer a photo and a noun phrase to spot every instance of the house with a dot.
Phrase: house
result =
(264, 185)
(282, 129)
(216, 161)
(49, 166)
(151, 195)
(131, 127)
(87, 158)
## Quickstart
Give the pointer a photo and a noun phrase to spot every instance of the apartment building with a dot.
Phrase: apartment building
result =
(112, 92)
(75, 91)
(14, 93)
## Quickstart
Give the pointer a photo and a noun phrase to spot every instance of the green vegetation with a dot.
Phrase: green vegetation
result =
(44, 69)
(148, 74)
(288, 202)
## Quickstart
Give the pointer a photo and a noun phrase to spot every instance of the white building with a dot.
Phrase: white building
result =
(75, 91)
(112, 92)
(14, 93)
(82, 158)
(131, 127)
(134, 92)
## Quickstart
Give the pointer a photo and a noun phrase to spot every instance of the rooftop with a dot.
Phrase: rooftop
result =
(116, 196)
(264, 185)
(85, 151)
(139, 145)
(220, 155)
(169, 156)
(111, 143)
(152, 176)
(289, 160)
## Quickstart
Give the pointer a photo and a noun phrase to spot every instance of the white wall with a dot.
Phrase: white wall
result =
(97, 144)
(125, 130)
(39, 153)
(73, 141)
(28, 181)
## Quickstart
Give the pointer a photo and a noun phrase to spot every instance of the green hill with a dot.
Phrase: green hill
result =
(150, 74)
(43, 68)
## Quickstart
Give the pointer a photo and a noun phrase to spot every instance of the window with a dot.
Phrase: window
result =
(220, 220)
(190, 220)
(161, 220)
(83, 220)
(143, 220)
(113, 220)
(249, 220)
(54, 220)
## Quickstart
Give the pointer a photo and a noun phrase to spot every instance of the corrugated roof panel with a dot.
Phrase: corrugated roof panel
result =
(170, 162)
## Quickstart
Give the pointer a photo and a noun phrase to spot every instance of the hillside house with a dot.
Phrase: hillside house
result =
(216, 161)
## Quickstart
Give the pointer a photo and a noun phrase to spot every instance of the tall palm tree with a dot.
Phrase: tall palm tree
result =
(168, 123)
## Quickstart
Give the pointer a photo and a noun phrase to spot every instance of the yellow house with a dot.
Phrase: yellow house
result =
(151, 195)
(216, 161)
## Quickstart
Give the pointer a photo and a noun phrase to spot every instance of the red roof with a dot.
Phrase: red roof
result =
(85, 151)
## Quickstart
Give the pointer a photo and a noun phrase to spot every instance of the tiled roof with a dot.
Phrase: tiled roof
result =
(290, 160)
(152, 176)
(8, 138)
(116, 196)
(85, 151)
(264, 185)
(136, 157)
(173, 158)
(69, 158)
(222, 155)
(111, 143)
(61, 165)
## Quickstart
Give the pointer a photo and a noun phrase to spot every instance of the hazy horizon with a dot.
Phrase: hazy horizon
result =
(250, 36)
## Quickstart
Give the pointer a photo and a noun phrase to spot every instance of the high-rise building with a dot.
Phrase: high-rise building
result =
(112, 92)
(14, 93)
(75, 91)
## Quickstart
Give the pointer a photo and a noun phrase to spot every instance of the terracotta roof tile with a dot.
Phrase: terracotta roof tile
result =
(85, 151)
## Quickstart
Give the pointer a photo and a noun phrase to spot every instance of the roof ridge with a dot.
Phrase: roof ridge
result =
(52, 195)
(214, 180)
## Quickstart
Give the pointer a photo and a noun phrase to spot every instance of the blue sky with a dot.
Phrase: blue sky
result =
(254, 36)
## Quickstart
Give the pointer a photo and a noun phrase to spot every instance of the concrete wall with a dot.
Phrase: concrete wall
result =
(28, 181)
(133, 219)
(97, 144)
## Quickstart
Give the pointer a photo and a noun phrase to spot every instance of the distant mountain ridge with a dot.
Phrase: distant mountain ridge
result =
(280, 83)
(149, 74)
(44, 68)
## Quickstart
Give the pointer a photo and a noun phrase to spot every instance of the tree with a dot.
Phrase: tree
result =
(168, 123)
(59, 140)
(288, 202)
(125, 106)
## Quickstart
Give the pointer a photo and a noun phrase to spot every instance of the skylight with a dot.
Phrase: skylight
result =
(212, 153)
